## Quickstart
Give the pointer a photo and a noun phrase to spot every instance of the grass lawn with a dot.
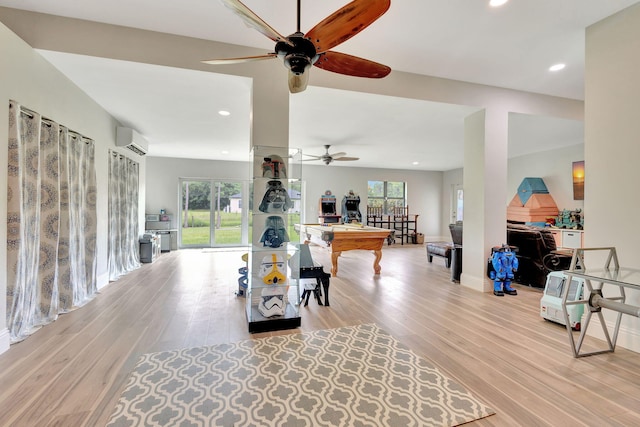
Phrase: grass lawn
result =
(229, 232)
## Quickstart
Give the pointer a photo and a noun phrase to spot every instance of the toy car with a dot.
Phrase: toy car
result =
(551, 301)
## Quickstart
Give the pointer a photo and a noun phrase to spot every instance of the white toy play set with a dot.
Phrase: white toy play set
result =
(551, 301)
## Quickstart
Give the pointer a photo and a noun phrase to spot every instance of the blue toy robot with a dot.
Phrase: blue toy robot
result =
(505, 263)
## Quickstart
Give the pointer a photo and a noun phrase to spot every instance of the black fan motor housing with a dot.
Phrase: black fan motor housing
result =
(299, 56)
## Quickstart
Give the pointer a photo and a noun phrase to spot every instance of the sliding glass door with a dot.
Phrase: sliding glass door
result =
(213, 213)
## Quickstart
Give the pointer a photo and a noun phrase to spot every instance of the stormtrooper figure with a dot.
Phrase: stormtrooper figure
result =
(272, 298)
(505, 263)
(273, 270)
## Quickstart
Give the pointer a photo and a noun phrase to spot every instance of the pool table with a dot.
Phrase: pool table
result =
(346, 237)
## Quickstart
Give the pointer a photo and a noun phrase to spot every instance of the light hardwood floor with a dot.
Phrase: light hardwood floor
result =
(71, 373)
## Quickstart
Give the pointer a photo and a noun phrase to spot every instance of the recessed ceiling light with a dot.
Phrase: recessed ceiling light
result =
(496, 3)
(224, 113)
(416, 163)
(557, 67)
(224, 152)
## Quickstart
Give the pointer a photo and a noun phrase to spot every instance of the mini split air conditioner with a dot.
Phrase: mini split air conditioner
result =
(129, 138)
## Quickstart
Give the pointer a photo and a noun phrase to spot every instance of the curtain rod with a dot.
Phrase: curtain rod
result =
(47, 121)
(122, 156)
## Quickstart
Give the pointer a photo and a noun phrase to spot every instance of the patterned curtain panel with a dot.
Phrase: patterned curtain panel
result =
(124, 253)
(78, 210)
(43, 248)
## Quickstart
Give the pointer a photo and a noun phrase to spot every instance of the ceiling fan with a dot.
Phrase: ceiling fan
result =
(328, 158)
(300, 51)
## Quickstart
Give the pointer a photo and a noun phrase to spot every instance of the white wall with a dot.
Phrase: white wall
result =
(554, 167)
(163, 176)
(429, 192)
(424, 188)
(34, 83)
(612, 148)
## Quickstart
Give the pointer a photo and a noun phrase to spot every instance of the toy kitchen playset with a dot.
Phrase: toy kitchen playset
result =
(162, 225)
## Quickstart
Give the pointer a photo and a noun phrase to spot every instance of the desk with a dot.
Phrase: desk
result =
(346, 237)
(594, 298)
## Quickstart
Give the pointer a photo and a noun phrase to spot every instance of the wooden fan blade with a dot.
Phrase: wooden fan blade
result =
(342, 159)
(240, 60)
(254, 21)
(351, 65)
(346, 22)
(340, 154)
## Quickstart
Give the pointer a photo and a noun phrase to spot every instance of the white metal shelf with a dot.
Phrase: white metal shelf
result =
(616, 279)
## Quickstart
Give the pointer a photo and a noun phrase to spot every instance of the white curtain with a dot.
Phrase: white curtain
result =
(51, 209)
(124, 253)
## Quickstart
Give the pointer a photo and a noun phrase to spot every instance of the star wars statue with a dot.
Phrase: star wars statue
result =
(351, 208)
(505, 263)
(276, 198)
(272, 299)
(275, 232)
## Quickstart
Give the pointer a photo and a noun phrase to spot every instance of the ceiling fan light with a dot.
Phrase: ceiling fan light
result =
(298, 82)
(298, 64)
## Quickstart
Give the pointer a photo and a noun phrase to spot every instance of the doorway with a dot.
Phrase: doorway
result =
(457, 203)
(213, 213)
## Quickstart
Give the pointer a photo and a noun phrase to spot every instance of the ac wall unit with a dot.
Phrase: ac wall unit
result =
(129, 138)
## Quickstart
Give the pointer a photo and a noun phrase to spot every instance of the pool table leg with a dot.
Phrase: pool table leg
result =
(376, 262)
(334, 263)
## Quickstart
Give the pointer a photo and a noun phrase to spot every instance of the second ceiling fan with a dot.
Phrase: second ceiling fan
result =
(328, 158)
(300, 51)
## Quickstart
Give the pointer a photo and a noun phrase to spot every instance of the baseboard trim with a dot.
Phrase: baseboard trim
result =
(479, 284)
(5, 340)
(627, 338)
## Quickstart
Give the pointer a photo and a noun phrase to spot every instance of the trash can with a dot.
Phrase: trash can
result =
(456, 263)
(417, 238)
(146, 251)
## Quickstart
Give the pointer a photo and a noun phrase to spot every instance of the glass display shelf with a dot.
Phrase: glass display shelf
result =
(273, 295)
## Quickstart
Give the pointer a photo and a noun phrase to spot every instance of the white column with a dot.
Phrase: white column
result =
(270, 112)
(485, 187)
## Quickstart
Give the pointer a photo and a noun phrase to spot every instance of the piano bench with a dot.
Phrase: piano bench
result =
(322, 284)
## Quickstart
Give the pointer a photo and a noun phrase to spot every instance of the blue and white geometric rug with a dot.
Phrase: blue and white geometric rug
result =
(350, 376)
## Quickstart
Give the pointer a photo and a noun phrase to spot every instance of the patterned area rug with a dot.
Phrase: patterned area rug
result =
(351, 376)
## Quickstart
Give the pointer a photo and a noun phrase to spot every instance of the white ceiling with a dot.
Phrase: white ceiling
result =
(466, 40)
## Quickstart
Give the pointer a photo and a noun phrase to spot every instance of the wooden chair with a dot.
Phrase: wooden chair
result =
(400, 211)
(374, 211)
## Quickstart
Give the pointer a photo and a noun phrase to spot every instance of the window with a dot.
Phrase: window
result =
(387, 195)
(205, 202)
(554, 286)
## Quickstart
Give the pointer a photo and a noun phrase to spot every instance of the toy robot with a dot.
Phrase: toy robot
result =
(505, 263)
